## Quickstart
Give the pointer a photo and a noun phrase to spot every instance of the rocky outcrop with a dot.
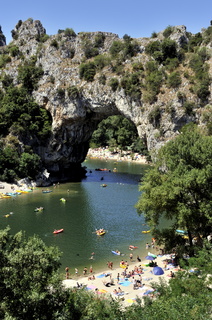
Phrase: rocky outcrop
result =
(76, 116)
(2, 38)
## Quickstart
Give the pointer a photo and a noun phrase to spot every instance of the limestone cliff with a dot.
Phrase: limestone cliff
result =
(77, 104)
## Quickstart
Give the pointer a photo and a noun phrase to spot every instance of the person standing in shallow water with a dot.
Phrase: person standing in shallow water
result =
(67, 272)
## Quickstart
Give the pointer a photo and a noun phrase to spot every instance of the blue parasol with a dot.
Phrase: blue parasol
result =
(157, 271)
(150, 258)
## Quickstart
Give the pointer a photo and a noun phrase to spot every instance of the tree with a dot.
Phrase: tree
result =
(178, 186)
(29, 285)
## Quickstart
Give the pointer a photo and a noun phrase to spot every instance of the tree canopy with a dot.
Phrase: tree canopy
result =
(178, 187)
(29, 285)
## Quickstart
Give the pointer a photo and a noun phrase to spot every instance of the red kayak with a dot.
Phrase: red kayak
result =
(132, 247)
(58, 231)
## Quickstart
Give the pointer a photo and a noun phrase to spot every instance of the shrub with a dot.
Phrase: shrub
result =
(114, 83)
(115, 48)
(171, 64)
(99, 40)
(7, 81)
(29, 74)
(14, 51)
(102, 79)
(4, 59)
(90, 51)
(60, 93)
(54, 44)
(195, 41)
(101, 61)
(188, 107)
(137, 66)
(152, 47)
(73, 92)
(174, 80)
(169, 49)
(181, 96)
(154, 34)
(69, 32)
(155, 116)
(168, 31)
(87, 71)
(131, 85)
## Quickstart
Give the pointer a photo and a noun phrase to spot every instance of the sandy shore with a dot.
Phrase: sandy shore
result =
(129, 294)
(106, 154)
(8, 187)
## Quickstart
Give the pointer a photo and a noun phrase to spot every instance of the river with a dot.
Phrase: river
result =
(88, 206)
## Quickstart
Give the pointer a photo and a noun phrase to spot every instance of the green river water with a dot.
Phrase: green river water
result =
(88, 206)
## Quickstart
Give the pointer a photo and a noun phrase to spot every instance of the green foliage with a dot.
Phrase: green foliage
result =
(152, 47)
(116, 48)
(29, 287)
(29, 165)
(174, 80)
(153, 81)
(99, 40)
(155, 116)
(87, 71)
(29, 74)
(168, 31)
(21, 116)
(69, 32)
(60, 93)
(7, 81)
(198, 65)
(154, 34)
(114, 83)
(178, 186)
(54, 43)
(131, 85)
(207, 35)
(4, 59)
(171, 63)
(195, 41)
(14, 51)
(117, 131)
(73, 92)
(90, 51)
(101, 61)
(42, 38)
(102, 79)
(137, 66)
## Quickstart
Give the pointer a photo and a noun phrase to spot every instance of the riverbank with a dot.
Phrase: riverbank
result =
(106, 154)
(99, 283)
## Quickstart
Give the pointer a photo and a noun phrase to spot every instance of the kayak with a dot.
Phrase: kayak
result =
(39, 209)
(58, 231)
(181, 231)
(101, 233)
(148, 231)
(133, 247)
(46, 191)
(152, 255)
(117, 253)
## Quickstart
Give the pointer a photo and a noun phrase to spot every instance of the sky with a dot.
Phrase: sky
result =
(136, 18)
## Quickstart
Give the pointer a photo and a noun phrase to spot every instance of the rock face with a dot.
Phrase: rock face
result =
(76, 116)
(2, 38)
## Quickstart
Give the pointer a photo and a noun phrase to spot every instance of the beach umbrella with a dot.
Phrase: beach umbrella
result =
(157, 271)
(149, 258)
